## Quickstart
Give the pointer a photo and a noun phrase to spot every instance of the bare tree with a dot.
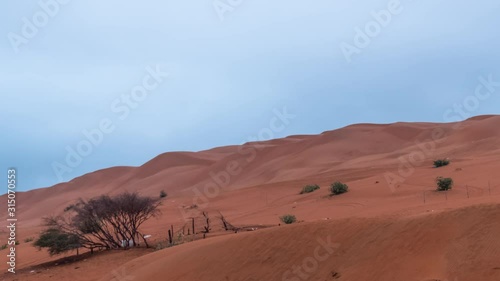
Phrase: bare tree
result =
(103, 222)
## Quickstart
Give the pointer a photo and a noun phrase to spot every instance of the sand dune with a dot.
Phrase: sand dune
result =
(255, 183)
(454, 245)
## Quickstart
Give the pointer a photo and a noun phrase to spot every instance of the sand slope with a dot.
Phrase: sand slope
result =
(453, 245)
(388, 167)
(354, 147)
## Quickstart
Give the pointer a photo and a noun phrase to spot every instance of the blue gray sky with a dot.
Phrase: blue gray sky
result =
(67, 66)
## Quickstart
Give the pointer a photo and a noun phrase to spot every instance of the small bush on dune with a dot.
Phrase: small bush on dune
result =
(57, 241)
(441, 162)
(163, 194)
(309, 188)
(162, 245)
(444, 183)
(338, 188)
(30, 239)
(288, 219)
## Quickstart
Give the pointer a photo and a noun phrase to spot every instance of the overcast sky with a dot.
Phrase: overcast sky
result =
(68, 67)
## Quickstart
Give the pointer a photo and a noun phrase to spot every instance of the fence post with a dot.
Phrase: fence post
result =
(467, 186)
(193, 229)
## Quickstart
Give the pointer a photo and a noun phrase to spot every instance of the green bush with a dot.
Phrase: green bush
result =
(29, 239)
(163, 194)
(288, 219)
(441, 162)
(338, 188)
(57, 241)
(444, 183)
(3, 247)
(309, 188)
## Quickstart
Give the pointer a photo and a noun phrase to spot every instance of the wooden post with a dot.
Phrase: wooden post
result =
(467, 186)
(193, 229)
(173, 235)
(170, 237)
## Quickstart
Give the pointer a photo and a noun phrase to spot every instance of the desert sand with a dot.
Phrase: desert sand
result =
(391, 225)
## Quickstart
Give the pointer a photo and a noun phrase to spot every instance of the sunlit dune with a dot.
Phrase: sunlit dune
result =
(391, 225)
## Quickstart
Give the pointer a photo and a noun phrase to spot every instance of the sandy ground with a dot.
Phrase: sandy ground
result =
(392, 225)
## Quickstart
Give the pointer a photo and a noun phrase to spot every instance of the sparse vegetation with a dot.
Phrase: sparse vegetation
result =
(338, 188)
(69, 208)
(288, 219)
(29, 239)
(163, 194)
(162, 245)
(444, 183)
(309, 188)
(3, 247)
(194, 206)
(441, 162)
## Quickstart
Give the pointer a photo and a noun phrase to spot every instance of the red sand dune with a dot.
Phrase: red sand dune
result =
(386, 231)
(452, 245)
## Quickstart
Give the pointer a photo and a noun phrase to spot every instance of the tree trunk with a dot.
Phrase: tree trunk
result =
(144, 239)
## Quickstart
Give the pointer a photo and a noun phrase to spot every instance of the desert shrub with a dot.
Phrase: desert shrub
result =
(57, 241)
(309, 188)
(30, 239)
(69, 208)
(288, 219)
(3, 247)
(163, 194)
(162, 245)
(444, 183)
(338, 188)
(441, 162)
